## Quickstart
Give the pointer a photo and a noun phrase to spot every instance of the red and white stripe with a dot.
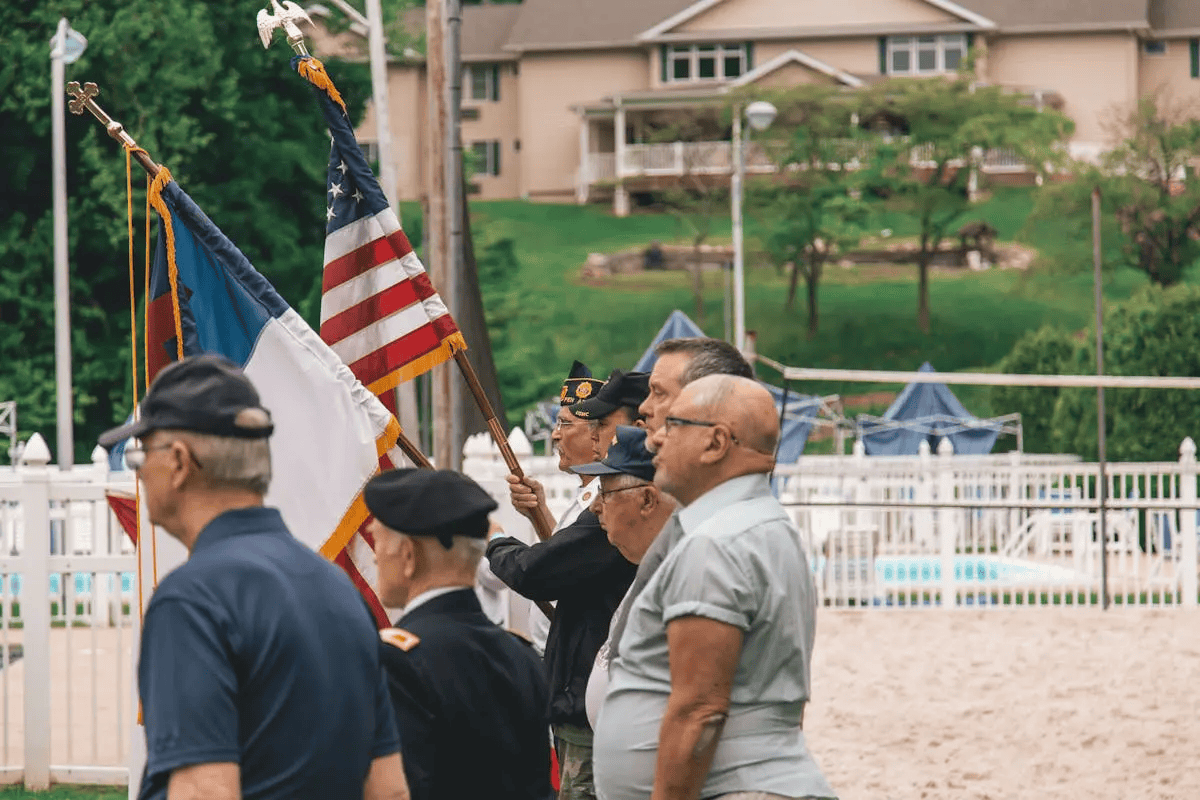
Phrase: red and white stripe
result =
(379, 311)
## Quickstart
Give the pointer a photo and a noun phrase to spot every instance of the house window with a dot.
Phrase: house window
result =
(925, 55)
(1154, 47)
(482, 82)
(370, 151)
(486, 157)
(704, 62)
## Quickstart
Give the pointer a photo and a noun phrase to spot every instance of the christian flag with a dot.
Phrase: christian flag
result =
(330, 432)
(379, 311)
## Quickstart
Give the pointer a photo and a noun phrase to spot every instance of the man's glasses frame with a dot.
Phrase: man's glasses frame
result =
(135, 454)
(672, 422)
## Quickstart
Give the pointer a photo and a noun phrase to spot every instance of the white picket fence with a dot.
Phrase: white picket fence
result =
(991, 531)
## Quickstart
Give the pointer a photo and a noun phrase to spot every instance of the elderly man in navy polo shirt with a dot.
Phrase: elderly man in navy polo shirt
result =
(259, 673)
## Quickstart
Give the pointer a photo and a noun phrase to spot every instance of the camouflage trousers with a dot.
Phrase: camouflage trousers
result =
(574, 747)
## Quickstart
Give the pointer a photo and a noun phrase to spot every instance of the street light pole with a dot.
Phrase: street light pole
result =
(759, 114)
(66, 46)
(739, 278)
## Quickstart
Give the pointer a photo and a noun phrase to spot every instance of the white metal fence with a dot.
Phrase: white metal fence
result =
(65, 662)
(1010, 530)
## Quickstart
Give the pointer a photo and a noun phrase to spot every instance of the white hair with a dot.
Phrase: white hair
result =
(230, 462)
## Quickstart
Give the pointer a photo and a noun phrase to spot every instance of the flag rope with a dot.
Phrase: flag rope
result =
(155, 196)
(137, 501)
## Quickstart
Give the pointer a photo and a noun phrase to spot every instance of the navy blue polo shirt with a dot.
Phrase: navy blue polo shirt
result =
(258, 651)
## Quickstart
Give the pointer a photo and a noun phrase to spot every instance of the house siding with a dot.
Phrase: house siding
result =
(1096, 74)
(551, 84)
(498, 121)
(734, 14)
(857, 56)
(407, 120)
(1169, 74)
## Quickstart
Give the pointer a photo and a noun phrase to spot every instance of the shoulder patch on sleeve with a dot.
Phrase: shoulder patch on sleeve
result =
(400, 638)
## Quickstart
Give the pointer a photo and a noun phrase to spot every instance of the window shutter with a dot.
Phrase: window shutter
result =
(970, 40)
(662, 52)
(495, 82)
(883, 65)
(1195, 48)
(495, 158)
(749, 56)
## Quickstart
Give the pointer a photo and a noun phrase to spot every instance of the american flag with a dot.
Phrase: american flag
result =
(379, 310)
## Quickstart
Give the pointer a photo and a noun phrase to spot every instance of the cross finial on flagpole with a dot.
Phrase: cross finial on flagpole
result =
(285, 16)
(83, 101)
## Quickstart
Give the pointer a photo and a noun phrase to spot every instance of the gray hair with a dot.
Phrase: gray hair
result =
(707, 357)
(465, 552)
(625, 481)
(230, 462)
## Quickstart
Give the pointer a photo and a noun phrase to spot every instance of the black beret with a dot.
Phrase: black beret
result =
(426, 502)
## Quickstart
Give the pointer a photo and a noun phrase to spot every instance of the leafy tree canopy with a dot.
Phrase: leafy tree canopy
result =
(238, 130)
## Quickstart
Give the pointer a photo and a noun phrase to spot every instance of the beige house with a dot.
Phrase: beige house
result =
(559, 95)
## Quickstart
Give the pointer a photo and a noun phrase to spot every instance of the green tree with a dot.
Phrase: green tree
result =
(943, 128)
(1047, 351)
(1149, 197)
(238, 129)
(815, 209)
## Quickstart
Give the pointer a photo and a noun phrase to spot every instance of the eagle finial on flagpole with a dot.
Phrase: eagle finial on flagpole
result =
(285, 16)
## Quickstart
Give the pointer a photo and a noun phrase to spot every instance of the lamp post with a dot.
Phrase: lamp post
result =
(759, 114)
(66, 46)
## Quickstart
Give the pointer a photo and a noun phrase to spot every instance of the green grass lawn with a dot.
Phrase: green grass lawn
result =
(66, 793)
(868, 315)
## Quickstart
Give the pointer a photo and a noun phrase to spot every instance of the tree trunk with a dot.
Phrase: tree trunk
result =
(811, 280)
(698, 282)
(793, 280)
(923, 259)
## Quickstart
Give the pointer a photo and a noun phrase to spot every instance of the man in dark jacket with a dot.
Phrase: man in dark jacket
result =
(470, 697)
(577, 566)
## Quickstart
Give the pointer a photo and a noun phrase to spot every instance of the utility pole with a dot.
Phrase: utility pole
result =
(438, 251)
(454, 206)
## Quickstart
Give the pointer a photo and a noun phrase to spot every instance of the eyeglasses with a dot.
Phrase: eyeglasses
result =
(671, 422)
(135, 454)
(560, 424)
(602, 494)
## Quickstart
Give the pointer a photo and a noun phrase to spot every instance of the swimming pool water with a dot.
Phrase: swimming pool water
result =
(908, 570)
(10, 585)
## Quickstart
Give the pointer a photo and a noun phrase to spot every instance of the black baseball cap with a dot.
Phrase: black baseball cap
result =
(205, 394)
(622, 389)
(428, 502)
(627, 455)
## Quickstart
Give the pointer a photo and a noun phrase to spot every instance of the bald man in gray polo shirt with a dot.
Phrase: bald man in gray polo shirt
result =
(708, 689)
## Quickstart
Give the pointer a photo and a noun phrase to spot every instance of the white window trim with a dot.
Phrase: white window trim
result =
(941, 43)
(692, 56)
(488, 168)
(468, 83)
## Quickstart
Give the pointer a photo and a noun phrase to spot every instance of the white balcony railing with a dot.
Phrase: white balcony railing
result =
(716, 158)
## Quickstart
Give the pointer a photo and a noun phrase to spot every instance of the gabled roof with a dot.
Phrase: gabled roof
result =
(583, 24)
(1175, 16)
(700, 6)
(1047, 16)
(486, 28)
(796, 57)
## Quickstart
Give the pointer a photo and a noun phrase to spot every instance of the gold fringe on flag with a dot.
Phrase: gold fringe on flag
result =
(313, 71)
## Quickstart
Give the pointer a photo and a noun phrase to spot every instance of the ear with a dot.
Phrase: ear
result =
(181, 464)
(650, 500)
(408, 556)
(718, 446)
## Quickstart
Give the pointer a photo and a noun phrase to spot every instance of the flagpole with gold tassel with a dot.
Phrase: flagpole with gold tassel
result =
(83, 100)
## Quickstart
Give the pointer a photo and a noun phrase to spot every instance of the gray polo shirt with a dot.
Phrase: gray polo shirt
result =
(739, 561)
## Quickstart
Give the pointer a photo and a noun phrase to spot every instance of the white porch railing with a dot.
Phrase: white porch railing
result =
(715, 158)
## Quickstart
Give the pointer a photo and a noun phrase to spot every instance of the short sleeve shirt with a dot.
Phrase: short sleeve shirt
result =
(258, 651)
(739, 561)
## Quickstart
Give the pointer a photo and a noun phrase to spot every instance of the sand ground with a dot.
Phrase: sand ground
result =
(909, 704)
(998, 704)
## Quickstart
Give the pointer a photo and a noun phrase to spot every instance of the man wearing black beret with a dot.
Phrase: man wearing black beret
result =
(470, 698)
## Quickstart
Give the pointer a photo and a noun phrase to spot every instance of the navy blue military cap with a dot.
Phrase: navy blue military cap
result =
(427, 502)
(627, 455)
(622, 389)
(205, 394)
(579, 385)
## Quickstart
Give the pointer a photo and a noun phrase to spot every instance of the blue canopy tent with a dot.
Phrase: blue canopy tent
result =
(678, 326)
(928, 412)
